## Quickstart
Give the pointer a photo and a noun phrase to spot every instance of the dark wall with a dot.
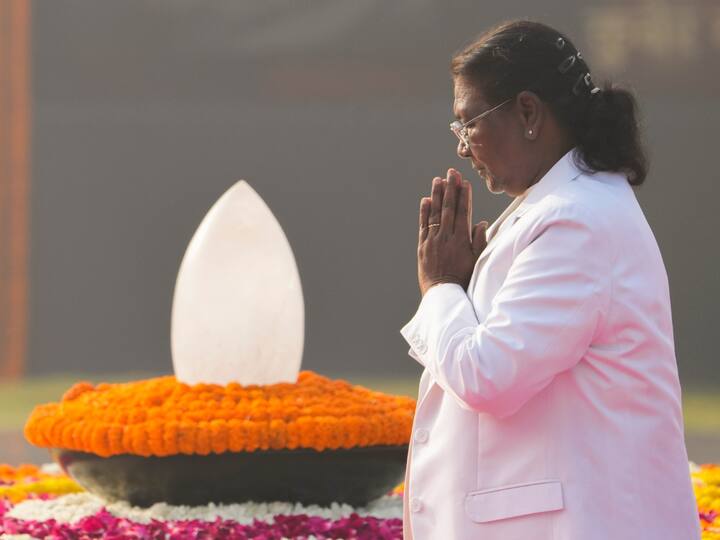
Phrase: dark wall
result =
(336, 112)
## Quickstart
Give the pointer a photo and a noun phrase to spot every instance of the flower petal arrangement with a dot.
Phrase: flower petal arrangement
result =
(45, 512)
(26, 481)
(706, 484)
(163, 417)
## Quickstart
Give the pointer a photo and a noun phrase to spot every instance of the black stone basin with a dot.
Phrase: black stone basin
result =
(354, 476)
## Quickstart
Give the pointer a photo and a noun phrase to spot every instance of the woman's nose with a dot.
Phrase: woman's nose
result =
(463, 151)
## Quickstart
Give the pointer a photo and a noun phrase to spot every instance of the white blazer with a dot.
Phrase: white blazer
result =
(549, 407)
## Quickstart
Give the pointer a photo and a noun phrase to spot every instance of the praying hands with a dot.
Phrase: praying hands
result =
(448, 244)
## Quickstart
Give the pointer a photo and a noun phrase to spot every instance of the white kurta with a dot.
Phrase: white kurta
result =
(549, 407)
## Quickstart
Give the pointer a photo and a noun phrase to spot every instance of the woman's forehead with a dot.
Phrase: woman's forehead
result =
(468, 99)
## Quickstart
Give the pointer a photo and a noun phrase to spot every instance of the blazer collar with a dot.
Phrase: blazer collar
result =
(565, 170)
(561, 173)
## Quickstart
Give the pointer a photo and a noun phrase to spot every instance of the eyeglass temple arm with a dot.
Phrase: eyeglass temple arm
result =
(485, 113)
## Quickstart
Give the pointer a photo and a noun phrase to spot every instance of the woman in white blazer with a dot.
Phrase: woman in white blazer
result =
(549, 407)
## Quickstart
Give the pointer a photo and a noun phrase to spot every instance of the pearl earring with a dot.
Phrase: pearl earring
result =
(529, 131)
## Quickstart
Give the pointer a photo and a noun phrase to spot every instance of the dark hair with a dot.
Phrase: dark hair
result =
(525, 55)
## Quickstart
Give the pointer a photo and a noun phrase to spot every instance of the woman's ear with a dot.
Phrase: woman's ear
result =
(531, 111)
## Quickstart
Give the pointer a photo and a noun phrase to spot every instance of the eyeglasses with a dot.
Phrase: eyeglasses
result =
(461, 130)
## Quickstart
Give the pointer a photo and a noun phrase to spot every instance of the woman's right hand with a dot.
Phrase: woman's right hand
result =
(448, 254)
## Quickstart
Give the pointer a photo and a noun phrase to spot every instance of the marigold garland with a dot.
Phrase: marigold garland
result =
(162, 416)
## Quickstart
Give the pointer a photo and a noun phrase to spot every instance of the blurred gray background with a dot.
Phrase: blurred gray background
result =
(336, 112)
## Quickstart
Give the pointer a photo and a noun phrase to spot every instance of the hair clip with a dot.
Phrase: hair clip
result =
(566, 64)
(587, 80)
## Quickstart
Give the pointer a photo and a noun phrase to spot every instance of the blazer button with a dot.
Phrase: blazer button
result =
(416, 505)
(421, 435)
(420, 345)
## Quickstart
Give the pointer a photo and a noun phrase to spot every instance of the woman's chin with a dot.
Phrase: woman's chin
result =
(492, 185)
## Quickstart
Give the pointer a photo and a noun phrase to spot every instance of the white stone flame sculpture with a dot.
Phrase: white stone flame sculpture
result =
(238, 312)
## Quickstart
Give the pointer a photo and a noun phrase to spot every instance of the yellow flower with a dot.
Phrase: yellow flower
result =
(706, 484)
(27, 480)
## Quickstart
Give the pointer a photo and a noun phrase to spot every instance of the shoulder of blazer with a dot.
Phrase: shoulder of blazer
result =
(587, 206)
(596, 198)
(566, 179)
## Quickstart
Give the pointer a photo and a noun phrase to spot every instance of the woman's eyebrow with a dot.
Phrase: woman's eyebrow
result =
(462, 111)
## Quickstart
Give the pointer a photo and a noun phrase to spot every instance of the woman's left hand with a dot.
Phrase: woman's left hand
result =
(447, 254)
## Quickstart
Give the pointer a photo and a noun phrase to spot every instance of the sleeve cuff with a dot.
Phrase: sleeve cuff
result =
(417, 332)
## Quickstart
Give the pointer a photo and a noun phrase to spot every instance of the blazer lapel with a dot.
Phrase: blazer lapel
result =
(493, 229)
(425, 383)
(492, 233)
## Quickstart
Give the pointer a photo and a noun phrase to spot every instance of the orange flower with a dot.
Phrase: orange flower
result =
(18, 483)
(161, 417)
